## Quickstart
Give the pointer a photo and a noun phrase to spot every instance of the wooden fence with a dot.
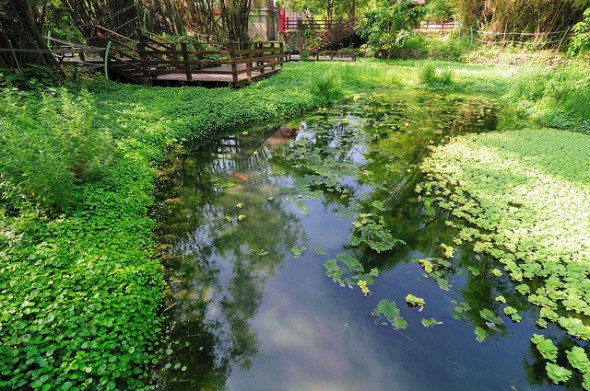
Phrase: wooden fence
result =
(438, 25)
(316, 25)
(150, 58)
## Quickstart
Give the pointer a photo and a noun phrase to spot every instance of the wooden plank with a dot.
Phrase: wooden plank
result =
(187, 66)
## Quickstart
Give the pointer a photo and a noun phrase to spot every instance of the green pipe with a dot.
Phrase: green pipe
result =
(14, 56)
(106, 60)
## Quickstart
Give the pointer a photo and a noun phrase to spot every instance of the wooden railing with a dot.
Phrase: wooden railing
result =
(151, 58)
(70, 52)
(336, 34)
(438, 24)
(316, 25)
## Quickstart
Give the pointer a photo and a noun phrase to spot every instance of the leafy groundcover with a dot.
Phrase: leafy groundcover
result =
(80, 286)
(522, 197)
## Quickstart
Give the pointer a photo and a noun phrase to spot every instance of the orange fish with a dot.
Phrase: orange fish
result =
(241, 177)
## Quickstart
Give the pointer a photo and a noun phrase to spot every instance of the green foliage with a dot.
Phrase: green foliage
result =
(490, 317)
(388, 310)
(50, 147)
(389, 26)
(557, 374)
(327, 88)
(512, 313)
(298, 251)
(430, 77)
(415, 301)
(346, 270)
(523, 200)
(439, 10)
(430, 322)
(545, 346)
(580, 39)
(578, 359)
(480, 334)
(554, 97)
(450, 49)
(370, 229)
(80, 291)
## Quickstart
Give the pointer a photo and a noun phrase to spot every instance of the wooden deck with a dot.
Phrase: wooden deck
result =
(153, 60)
(150, 59)
(215, 76)
(343, 57)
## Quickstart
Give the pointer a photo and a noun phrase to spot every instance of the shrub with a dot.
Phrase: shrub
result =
(431, 78)
(556, 97)
(327, 88)
(580, 41)
(449, 49)
(50, 147)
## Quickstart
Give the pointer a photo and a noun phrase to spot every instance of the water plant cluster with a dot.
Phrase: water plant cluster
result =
(519, 197)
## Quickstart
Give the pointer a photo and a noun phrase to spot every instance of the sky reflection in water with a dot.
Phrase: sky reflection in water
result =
(258, 319)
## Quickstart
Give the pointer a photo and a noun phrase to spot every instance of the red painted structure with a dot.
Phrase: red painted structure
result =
(282, 20)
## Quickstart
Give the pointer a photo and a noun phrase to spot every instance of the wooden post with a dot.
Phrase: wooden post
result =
(142, 55)
(273, 58)
(232, 60)
(260, 53)
(175, 59)
(248, 46)
(186, 60)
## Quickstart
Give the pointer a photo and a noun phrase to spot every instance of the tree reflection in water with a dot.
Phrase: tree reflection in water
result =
(230, 214)
(231, 231)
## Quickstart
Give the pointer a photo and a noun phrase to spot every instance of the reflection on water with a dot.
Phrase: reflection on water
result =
(247, 222)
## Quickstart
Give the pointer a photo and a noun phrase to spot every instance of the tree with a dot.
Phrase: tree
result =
(389, 26)
(235, 15)
(532, 16)
(329, 8)
(20, 36)
(117, 15)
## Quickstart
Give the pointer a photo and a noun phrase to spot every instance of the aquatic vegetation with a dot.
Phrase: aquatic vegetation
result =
(430, 322)
(371, 230)
(520, 203)
(387, 313)
(347, 270)
(298, 251)
(415, 301)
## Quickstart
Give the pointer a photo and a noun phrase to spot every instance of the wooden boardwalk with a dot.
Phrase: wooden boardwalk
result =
(214, 76)
(153, 60)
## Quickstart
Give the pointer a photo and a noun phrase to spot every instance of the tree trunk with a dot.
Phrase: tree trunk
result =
(20, 36)
(235, 16)
(116, 15)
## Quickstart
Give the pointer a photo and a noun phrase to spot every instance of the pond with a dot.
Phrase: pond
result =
(300, 257)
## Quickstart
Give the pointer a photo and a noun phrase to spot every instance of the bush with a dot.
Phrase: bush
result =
(556, 97)
(49, 148)
(327, 88)
(447, 49)
(429, 76)
(580, 41)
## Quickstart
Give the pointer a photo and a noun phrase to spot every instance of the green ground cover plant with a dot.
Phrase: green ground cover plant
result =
(521, 197)
(79, 277)
(79, 281)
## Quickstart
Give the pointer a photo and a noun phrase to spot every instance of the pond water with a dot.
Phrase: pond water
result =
(286, 247)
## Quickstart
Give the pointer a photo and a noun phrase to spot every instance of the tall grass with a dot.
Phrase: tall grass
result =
(49, 147)
(556, 97)
(430, 77)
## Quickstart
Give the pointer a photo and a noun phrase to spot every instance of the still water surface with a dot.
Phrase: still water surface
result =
(248, 221)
